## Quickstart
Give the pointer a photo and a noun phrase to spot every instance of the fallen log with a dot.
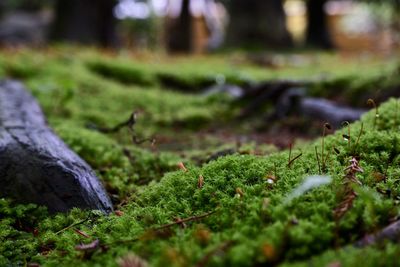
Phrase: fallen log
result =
(389, 233)
(289, 97)
(36, 166)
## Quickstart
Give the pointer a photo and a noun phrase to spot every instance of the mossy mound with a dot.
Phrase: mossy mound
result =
(252, 221)
(233, 211)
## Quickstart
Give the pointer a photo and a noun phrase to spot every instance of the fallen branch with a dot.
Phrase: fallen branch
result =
(182, 221)
(162, 227)
(129, 123)
(73, 225)
(389, 233)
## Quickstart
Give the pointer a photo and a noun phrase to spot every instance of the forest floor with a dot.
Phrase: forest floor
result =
(211, 190)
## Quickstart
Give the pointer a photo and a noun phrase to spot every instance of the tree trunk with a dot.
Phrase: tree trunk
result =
(179, 32)
(35, 165)
(318, 34)
(257, 23)
(85, 22)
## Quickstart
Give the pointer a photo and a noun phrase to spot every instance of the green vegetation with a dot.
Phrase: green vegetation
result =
(237, 207)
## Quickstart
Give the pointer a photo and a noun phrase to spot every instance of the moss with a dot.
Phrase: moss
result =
(253, 220)
(123, 73)
(258, 223)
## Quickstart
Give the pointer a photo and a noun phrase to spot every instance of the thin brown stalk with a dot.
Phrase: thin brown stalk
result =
(294, 159)
(319, 164)
(189, 219)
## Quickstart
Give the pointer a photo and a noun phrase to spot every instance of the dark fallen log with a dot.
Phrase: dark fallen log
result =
(35, 165)
(328, 111)
(286, 97)
(389, 233)
(258, 95)
(295, 101)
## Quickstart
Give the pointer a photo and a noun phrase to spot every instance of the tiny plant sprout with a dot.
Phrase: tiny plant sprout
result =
(290, 159)
(346, 137)
(182, 166)
(319, 163)
(327, 126)
(372, 103)
(200, 182)
(239, 192)
(270, 178)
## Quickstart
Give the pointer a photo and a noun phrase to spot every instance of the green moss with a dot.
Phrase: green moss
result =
(123, 73)
(251, 220)
(254, 222)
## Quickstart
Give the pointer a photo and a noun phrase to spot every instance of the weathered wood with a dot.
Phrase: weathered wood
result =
(389, 233)
(36, 166)
(289, 97)
(329, 111)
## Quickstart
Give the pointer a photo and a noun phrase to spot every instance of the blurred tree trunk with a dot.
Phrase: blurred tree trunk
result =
(85, 22)
(318, 34)
(179, 31)
(257, 23)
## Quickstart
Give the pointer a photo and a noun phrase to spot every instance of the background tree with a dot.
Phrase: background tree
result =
(179, 31)
(318, 33)
(85, 21)
(255, 23)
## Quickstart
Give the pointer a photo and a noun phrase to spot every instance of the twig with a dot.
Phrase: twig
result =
(73, 225)
(189, 219)
(179, 221)
(128, 123)
(138, 141)
(293, 159)
(81, 233)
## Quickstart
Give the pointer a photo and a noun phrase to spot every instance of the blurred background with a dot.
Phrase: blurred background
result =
(233, 71)
(203, 26)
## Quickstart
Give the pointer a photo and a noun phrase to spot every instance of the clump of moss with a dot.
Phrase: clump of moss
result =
(252, 223)
(123, 168)
(127, 74)
(233, 211)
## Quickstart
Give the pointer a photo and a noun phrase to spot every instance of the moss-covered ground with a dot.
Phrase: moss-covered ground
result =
(236, 210)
